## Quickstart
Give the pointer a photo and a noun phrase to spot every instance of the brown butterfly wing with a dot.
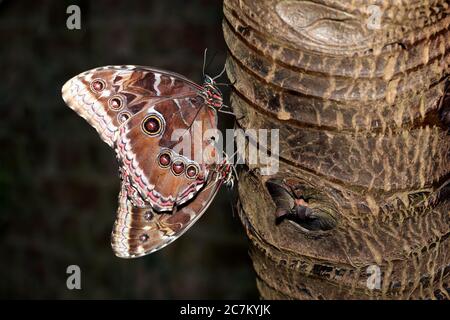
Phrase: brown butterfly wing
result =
(115, 100)
(141, 231)
(139, 151)
(108, 96)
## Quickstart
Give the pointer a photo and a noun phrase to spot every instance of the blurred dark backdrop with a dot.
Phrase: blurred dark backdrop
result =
(59, 181)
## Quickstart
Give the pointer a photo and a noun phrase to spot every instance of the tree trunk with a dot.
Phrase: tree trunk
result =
(357, 90)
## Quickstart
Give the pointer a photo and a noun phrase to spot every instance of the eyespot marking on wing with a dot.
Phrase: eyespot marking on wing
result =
(153, 124)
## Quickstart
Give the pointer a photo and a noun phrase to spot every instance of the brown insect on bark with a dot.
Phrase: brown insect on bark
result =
(295, 208)
(356, 92)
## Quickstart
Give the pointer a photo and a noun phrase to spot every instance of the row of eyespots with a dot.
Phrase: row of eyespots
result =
(148, 216)
(115, 103)
(177, 166)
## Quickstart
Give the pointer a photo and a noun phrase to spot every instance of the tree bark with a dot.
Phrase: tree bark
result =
(357, 90)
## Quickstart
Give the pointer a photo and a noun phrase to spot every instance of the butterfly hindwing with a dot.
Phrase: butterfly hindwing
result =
(140, 231)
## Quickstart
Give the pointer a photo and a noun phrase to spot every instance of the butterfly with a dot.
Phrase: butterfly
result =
(137, 111)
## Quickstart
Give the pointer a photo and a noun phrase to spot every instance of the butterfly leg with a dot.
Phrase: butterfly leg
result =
(232, 172)
(227, 84)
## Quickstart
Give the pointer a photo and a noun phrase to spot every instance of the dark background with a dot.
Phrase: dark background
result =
(59, 181)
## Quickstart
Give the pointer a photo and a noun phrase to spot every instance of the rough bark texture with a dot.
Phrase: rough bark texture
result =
(363, 131)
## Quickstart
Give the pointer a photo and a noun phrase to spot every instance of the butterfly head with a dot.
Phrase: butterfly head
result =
(211, 92)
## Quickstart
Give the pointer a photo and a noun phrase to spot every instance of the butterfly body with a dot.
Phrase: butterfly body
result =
(153, 119)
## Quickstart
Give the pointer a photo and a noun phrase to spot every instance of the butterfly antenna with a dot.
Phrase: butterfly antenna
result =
(206, 64)
(204, 61)
(221, 73)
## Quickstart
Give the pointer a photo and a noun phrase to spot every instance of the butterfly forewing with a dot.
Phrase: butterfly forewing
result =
(108, 96)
